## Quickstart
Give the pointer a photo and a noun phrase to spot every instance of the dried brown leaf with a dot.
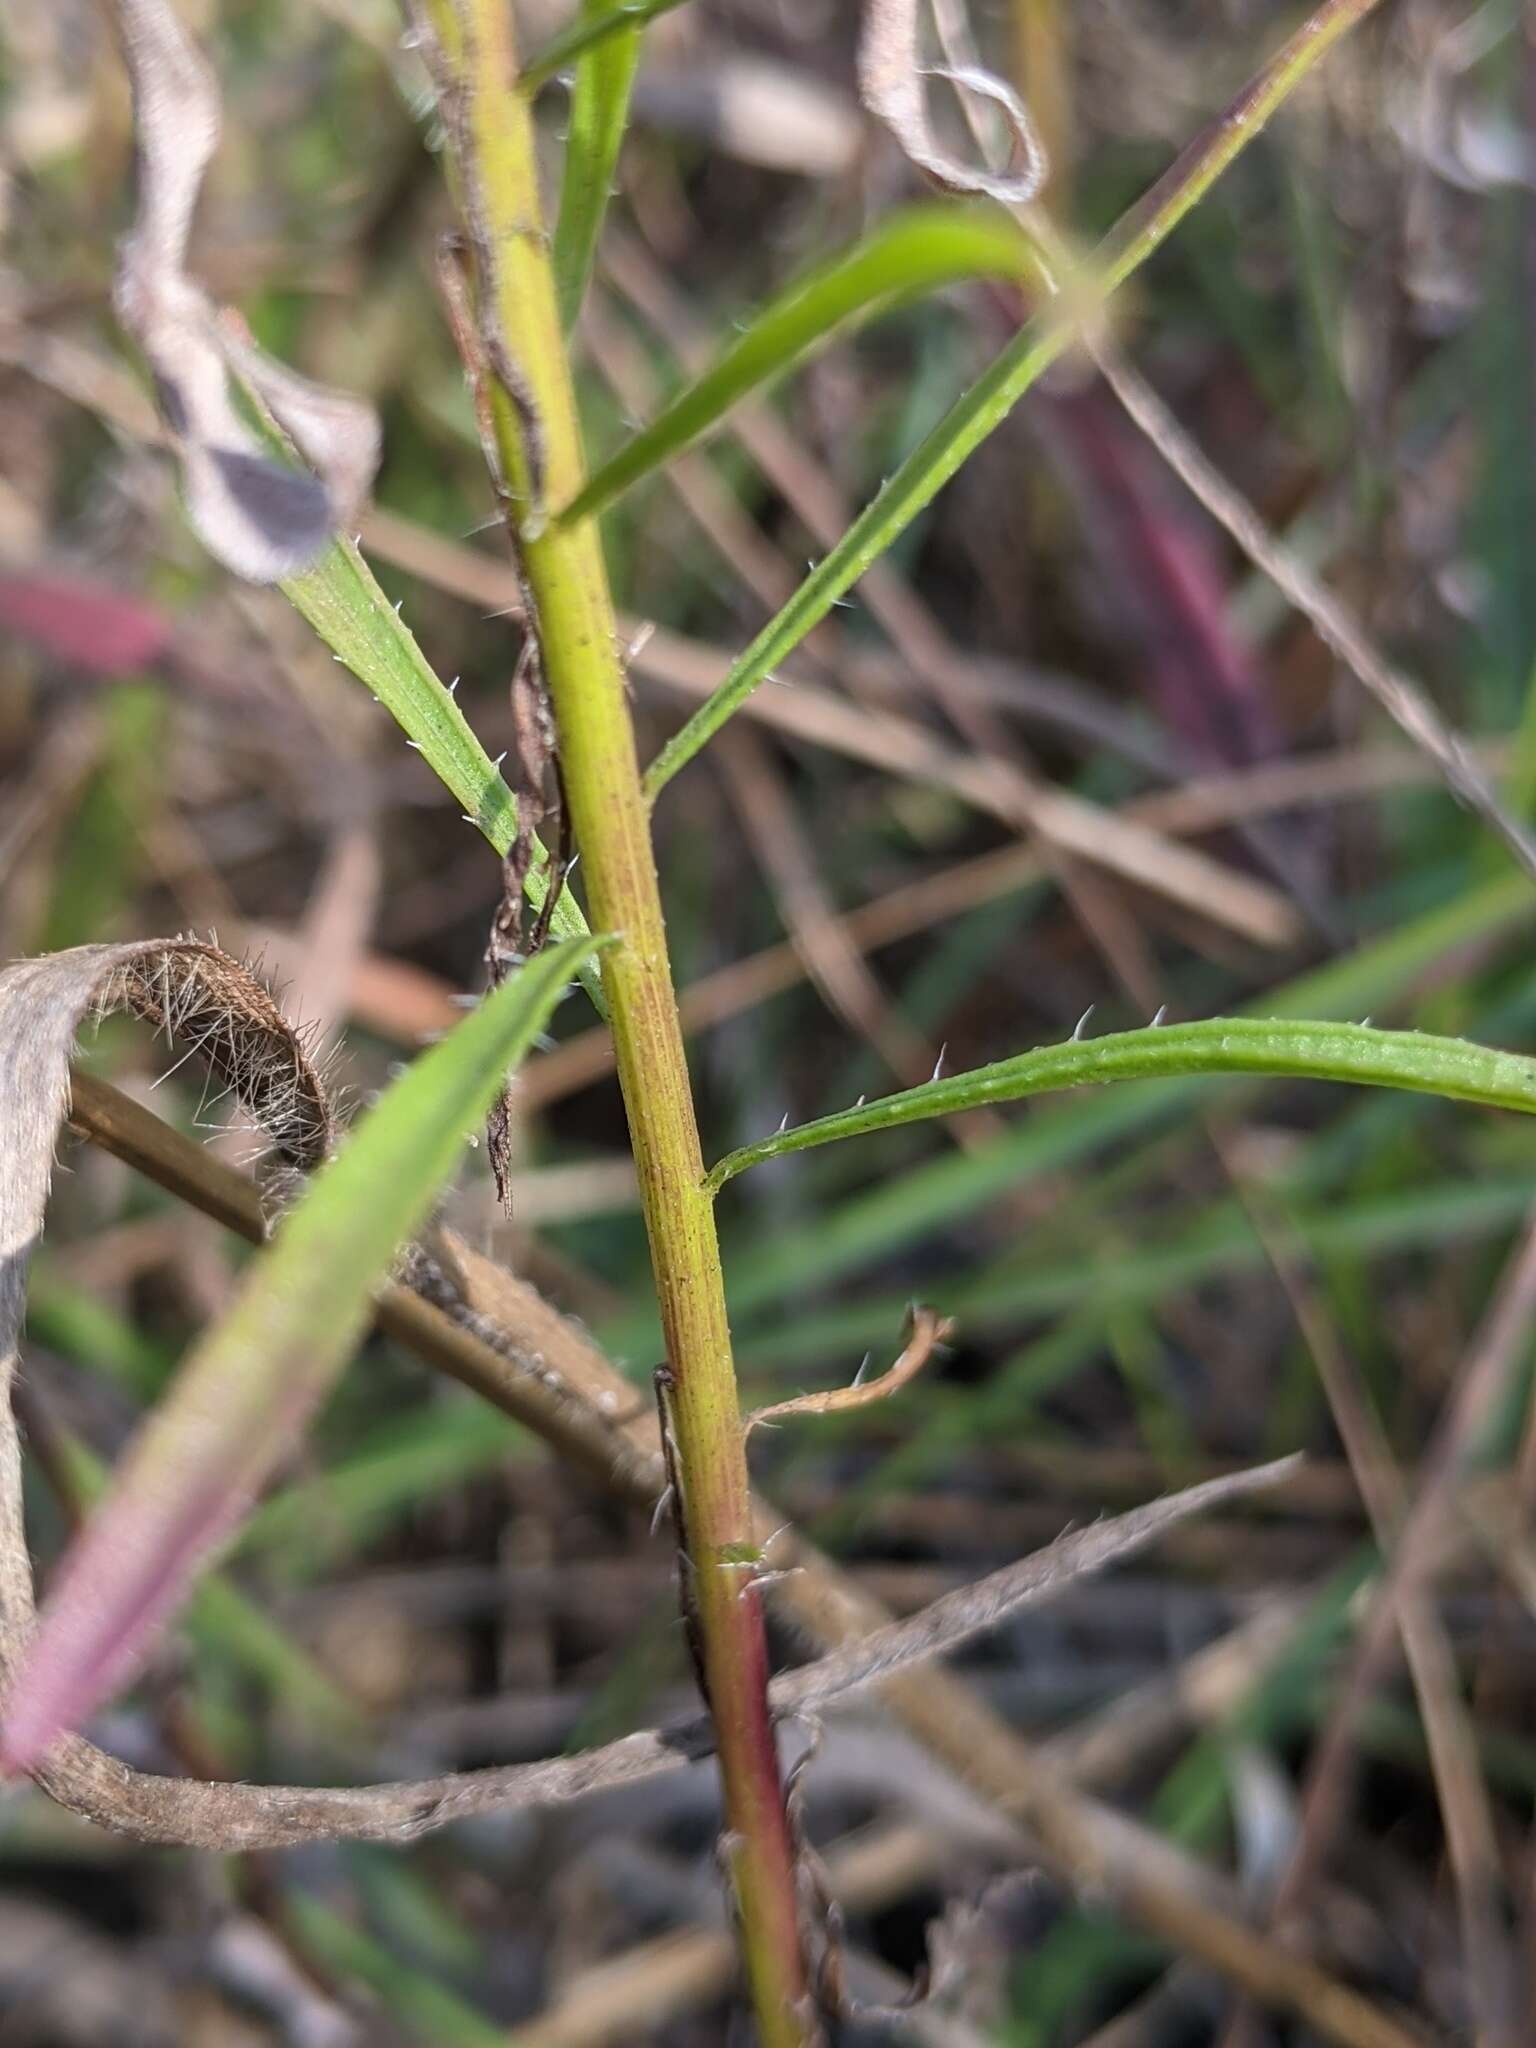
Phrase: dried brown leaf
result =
(956, 1617)
(893, 86)
(929, 1331)
(259, 518)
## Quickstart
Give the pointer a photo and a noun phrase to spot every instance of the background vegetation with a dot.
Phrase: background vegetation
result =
(902, 859)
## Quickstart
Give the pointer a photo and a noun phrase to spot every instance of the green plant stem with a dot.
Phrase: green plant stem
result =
(586, 33)
(1000, 387)
(539, 446)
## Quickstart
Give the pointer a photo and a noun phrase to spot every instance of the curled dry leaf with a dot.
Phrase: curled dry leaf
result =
(893, 85)
(928, 1332)
(261, 519)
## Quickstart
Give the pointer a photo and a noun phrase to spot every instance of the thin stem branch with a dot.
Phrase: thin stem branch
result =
(539, 447)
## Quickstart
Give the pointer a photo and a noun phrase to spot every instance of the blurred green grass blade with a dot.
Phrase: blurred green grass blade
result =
(1059, 1270)
(342, 600)
(1192, 1801)
(595, 26)
(385, 1476)
(1000, 387)
(1135, 1348)
(256, 1377)
(1520, 778)
(101, 853)
(1077, 1296)
(1356, 1053)
(1220, 1245)
(915, 252)
(64, 1317)
(413, 1911)
(225, 1624)
(427, 2010)
(1086, 1955)
(1221, 1240)
(1192, 1804)
(605, 75)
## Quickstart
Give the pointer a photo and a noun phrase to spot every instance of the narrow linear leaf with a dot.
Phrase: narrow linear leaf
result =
(937, 1193)
(917, 251)
(605, 75)
(1358, 1053)
(1220, 1241)
(341, 599)
(1000, 387)
(343, 602)
(591, 29)
(339, 596)
(253, 1381)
